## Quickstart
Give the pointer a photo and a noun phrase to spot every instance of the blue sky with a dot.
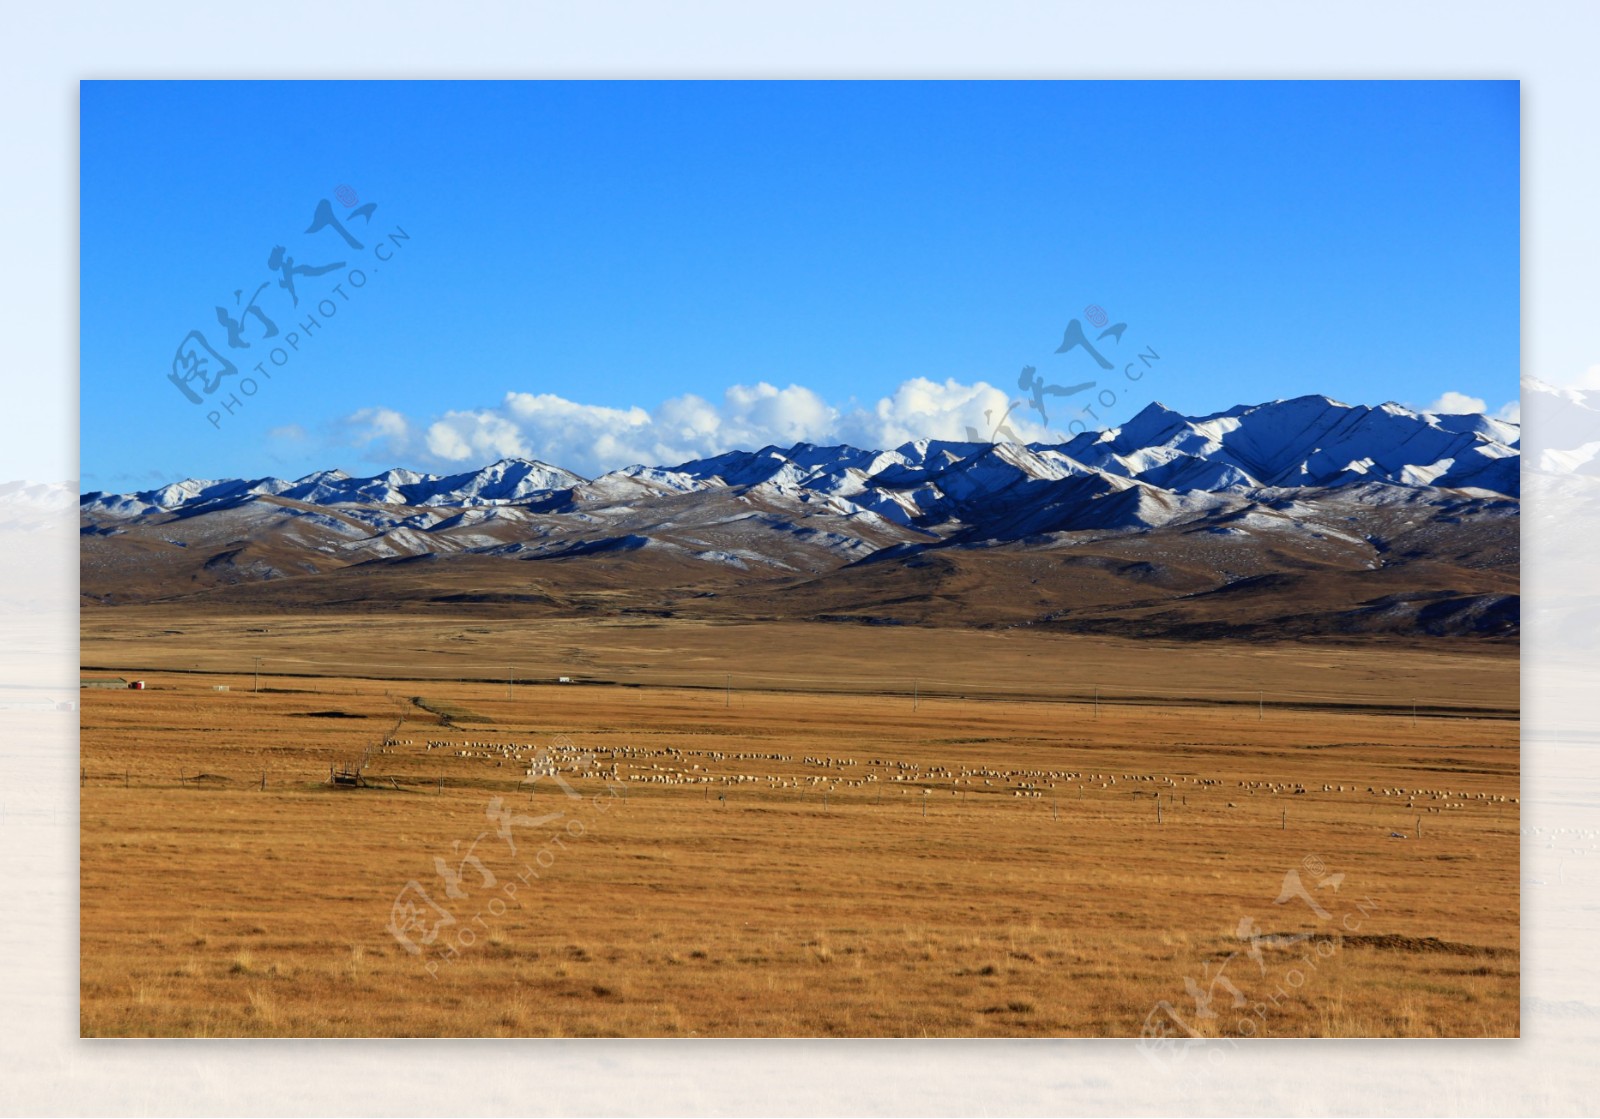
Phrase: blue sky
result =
(602, 273)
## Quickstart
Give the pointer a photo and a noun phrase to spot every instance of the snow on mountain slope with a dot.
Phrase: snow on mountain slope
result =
(1307, 441)
(639, 483)
(1563, 426)
(503, 482)
(508, 480)
(811, 508)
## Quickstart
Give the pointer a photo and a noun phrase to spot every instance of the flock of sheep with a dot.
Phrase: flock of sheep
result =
(673, 766)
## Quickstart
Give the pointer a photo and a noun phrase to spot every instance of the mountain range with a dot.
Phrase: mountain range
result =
(1299, 517)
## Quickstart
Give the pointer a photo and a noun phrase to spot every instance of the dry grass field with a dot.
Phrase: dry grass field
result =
(766, 830)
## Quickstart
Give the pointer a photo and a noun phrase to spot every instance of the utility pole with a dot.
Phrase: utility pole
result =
(1097, 701)
(257, 686)
(1261, 706)
(727, 696)
(915, 693)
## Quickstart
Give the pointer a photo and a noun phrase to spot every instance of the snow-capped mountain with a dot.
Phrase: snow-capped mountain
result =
(502, 483)
(1566, 426)
(1564, 478)
(1235, 494)
(1309, 441)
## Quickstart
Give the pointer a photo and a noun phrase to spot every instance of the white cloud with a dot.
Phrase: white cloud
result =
(763, 413)
(1456, 403)
(924, 409)
(592, 438)
(1459, 403)
(1588, 380)
(378, 427)
(475, 437)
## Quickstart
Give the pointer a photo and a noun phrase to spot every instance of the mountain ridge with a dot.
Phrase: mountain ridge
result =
(1365, 519)
(1219, 451)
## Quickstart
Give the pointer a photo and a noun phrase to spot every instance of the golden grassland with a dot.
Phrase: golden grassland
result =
(800, 881)
(1022, 662)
